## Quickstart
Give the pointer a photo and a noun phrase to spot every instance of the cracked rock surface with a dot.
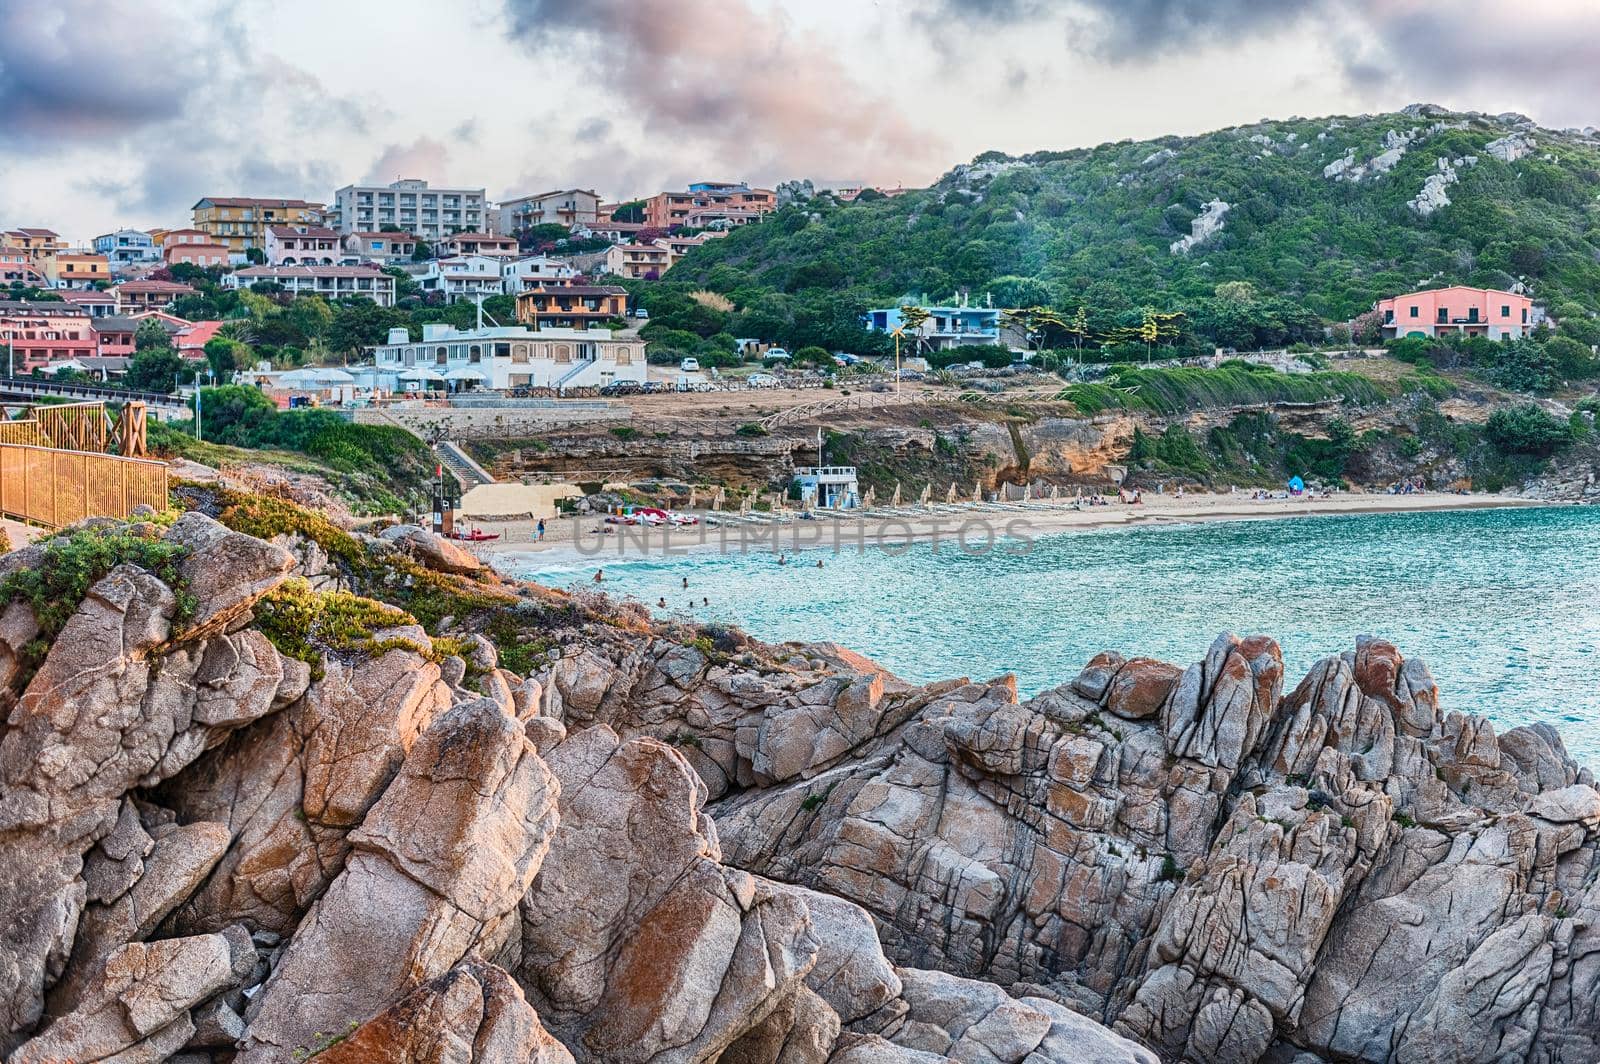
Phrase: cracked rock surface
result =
(657, 848)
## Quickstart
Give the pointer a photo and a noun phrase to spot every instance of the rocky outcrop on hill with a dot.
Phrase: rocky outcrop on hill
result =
(229, 838)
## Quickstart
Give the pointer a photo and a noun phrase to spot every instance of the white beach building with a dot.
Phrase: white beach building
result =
(501, 357)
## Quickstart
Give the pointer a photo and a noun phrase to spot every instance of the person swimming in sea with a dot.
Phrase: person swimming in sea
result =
(661, 603)
(599, 576)
(686, 582)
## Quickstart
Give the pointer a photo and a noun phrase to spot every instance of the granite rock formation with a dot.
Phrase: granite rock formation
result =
(671, 846)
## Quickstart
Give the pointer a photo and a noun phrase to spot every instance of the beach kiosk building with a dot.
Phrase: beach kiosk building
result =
(828, 487)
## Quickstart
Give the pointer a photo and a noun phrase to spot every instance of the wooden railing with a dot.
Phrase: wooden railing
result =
(56, 488)
(24, 431)
(82, 427)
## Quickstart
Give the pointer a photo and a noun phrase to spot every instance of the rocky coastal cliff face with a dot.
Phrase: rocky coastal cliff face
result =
(249, 815)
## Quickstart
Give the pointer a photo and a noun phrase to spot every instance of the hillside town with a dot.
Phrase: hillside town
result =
(75, 307)
(558, 258)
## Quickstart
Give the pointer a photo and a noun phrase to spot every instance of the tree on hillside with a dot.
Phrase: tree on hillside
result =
(1078, 328)
(155, 367)
(151, 334)
(632, 211)
(912, 318)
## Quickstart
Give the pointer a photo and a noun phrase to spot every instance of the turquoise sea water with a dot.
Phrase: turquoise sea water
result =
(1503, 604)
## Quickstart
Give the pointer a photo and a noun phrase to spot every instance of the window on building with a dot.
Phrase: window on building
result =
(1444, 314)
(441, 356)
(1524, 315)
(1505, 311)
(1414, 312)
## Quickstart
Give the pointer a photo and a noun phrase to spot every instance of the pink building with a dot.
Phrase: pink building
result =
(1474, 311)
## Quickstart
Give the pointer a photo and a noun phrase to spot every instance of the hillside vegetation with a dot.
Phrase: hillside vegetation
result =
(1323, 217)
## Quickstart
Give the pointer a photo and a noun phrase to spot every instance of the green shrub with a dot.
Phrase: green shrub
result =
(310, 625)
(74, 562)
(1526, 429)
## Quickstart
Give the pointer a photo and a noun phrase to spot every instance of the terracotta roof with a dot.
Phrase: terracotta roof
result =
(271, 272)
(155, 286)
(402, 237)
(578, 290)
(251, 201)
(313, 232)
(198, 333)
(38, 232)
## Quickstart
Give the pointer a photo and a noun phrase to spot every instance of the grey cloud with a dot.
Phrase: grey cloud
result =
(63, 76)
(1549, 66)
(1122, 30)
(774, 104)
(165, 104)
(424, 157)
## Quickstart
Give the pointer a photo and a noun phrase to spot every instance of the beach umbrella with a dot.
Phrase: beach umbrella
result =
(466, 373)
(927, 494)
(691, 496)
(896, 500)
(298, 378)
(871, 498)
(977, 492)
(421, 373)
(1055, 493)
(331, 375)
(950, 496)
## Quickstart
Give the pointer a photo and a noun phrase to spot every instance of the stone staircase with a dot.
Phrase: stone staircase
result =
(461, 465)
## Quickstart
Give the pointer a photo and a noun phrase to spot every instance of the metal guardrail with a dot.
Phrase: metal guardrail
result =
(88, 392)
(56, 488)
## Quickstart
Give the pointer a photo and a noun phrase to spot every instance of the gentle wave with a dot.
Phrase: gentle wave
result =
(1503, 604)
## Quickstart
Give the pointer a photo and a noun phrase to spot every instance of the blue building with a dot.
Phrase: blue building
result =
(127, 247)
(945, 327)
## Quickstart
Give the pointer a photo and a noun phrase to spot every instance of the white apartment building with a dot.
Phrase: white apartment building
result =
(430, 213)
(507, 357)
(463, 277)
(302, 245)
(535, 270)
(330, 282)
(568, 207)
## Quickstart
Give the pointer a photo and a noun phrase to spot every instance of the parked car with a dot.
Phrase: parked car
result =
(690, 365)
(774, 354)
(640, 312)
(761, 380)
(616, 388)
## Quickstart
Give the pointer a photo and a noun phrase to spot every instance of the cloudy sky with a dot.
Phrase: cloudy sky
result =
(125, 113)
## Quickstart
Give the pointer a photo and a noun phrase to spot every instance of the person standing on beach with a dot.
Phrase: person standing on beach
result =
(540, 532)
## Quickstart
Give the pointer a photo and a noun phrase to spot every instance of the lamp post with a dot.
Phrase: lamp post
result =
(897, 333)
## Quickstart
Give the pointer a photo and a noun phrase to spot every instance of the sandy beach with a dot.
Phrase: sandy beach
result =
(574, 539)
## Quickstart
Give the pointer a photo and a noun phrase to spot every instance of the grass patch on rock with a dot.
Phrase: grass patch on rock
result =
(73, 562)
(311, 626)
